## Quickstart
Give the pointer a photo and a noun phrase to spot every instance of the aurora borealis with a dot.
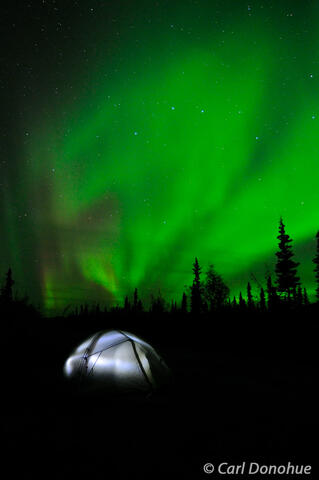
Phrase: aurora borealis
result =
(137, 135)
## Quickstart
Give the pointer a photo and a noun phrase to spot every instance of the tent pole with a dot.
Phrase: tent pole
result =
(140, 365)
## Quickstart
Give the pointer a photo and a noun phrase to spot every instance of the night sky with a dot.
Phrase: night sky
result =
(136, 135)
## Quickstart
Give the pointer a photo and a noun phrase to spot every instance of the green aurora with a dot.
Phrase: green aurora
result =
(188, 137)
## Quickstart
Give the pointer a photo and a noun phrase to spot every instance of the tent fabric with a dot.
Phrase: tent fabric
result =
(117, 360)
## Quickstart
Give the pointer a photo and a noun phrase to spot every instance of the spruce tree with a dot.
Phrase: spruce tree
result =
(196, 289)
(157, 304)
(173, 306)
(135, 300)
(305, 297)
(234, 302)
(250, 301)
(242, 303)
(139, 305)
(299, 297)
(262, 300)
(286, 268)
(6, 291)
(127, 304)
(316, 262)
(215, 290)
(271, 294)
(184, 303)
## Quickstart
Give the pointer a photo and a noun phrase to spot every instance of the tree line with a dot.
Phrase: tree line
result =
(285, 291)
(209, 292)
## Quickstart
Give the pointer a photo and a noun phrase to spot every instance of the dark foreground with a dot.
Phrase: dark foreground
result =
(243, 390)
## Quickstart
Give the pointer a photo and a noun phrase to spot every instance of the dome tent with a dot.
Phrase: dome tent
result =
(117, 360)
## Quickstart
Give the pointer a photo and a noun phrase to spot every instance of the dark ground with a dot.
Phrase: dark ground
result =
(243, 390)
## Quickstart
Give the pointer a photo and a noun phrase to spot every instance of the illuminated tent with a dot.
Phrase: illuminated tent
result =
(117, 360)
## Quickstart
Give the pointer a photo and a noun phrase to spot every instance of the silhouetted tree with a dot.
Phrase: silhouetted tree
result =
(271, 294)
(286, 268)
(262, 300)
(305, 297)
(196, 289)
(316, 262)
(173, 307)
(127, 304)
(298, 296)
(242, 303)
(139, 305)
(157, 304)
(184, 303)
(135, 300)
(234, 302)
(215, 290)
(7, 291)
(250, 302)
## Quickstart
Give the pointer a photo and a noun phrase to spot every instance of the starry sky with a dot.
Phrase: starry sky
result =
(136, 135)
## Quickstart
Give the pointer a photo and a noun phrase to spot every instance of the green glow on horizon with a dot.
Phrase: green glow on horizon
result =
(199, 156)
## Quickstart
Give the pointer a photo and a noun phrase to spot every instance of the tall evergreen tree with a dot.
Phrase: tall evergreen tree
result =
(196, 289)
(215, 290)
(7, 291)
(135, 300)
(299, 297)
(271, 294)
(262, 300)
(316, 262)
(242, 303)
(184, 303)
(157, 304)
(173, 306)
(250, 301)
(305, 297)
(286, 268)
(127, 304)
(140, 305)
